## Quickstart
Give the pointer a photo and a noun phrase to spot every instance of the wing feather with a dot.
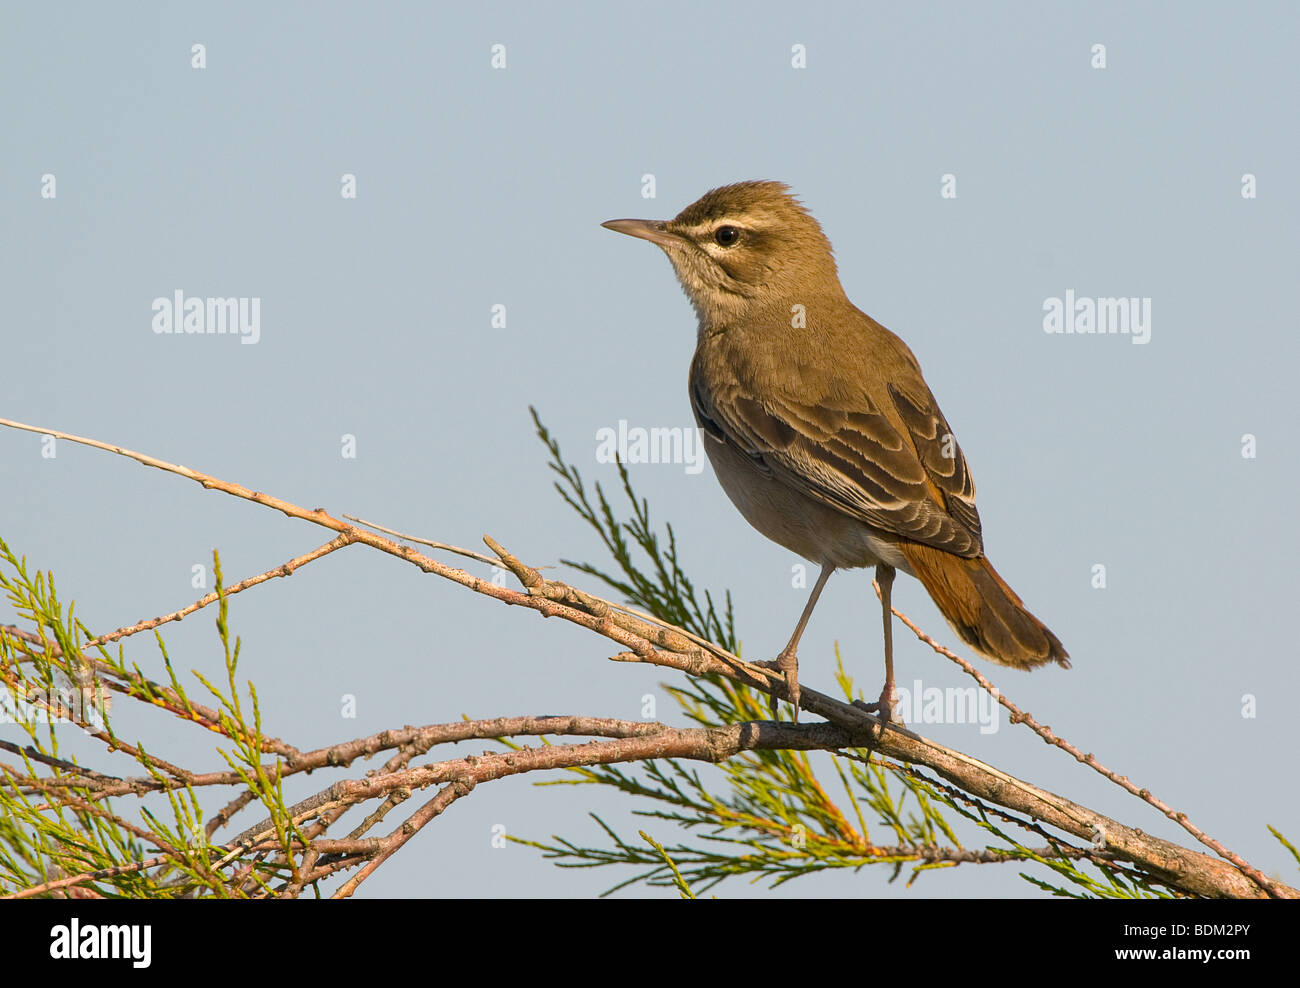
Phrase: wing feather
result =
(912, 483)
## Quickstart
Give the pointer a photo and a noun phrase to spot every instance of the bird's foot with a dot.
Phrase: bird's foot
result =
(787, 663)
(886, 708)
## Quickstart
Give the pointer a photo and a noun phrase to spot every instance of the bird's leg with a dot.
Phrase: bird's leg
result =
(888, 695)
(884, 707)
(787, 662)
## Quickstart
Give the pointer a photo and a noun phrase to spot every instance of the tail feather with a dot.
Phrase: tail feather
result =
(983, 610)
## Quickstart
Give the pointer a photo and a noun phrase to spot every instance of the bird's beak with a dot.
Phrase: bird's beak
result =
(656, 231)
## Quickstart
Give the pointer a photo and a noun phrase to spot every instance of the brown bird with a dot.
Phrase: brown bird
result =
(822, 430)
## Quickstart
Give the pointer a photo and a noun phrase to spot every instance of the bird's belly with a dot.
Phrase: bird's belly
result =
(811, 529)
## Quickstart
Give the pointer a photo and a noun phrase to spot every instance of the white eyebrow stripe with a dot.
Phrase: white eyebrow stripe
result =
(755, 220)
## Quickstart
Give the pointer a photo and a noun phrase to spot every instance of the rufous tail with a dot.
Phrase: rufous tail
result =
(983, 610)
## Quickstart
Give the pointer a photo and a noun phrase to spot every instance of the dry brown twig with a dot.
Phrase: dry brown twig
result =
(643, 639)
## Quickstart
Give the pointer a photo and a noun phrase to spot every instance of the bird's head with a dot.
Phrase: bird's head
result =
(741, 245)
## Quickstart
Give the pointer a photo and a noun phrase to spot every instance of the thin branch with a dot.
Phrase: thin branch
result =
(453, 791)
(284, 569)
(1043, 731)
(653, 642)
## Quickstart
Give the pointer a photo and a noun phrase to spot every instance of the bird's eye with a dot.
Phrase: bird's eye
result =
(726, 236)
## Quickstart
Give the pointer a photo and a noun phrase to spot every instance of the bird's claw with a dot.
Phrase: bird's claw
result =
(787, 663)
(886, 708)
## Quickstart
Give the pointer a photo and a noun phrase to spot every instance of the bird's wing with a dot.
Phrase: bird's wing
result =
(912, 482)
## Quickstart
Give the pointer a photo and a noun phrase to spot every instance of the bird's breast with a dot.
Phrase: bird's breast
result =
(791, 519)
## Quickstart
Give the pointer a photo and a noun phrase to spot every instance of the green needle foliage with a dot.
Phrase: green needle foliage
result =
(665, 590)
(58, 819)
(766, 815)
(770, 816)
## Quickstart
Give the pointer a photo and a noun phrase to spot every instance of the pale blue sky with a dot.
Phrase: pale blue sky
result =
(479, 187)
